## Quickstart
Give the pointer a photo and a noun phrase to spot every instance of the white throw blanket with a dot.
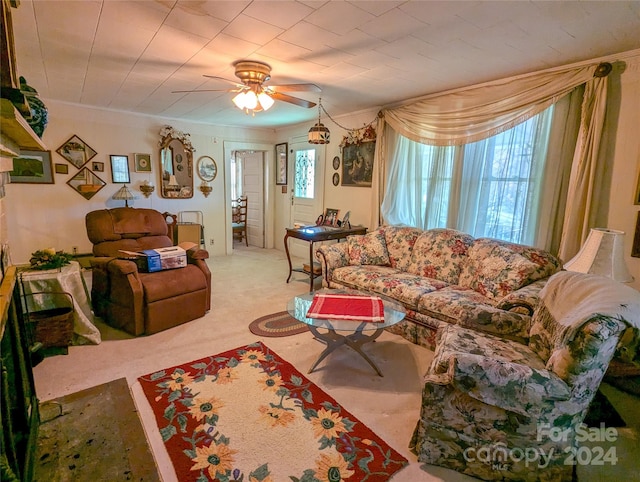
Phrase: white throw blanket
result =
(573, 298)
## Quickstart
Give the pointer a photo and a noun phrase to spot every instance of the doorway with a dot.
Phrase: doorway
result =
(247, 179)
(307, 196)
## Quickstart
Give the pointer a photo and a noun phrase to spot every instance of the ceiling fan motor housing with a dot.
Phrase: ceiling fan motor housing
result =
(252, 72)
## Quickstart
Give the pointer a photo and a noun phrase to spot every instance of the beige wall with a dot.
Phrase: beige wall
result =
(40, 216)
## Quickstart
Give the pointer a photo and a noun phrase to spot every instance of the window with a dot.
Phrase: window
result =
(304, 176)
(490, 188)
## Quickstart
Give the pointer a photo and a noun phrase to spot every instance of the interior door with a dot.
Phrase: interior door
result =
(252, 187)
(307, 193)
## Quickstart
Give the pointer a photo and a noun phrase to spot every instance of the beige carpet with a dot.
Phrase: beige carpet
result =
(249, 284)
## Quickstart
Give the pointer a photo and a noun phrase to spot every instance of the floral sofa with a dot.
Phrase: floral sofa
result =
(443, 276)
(497, 409)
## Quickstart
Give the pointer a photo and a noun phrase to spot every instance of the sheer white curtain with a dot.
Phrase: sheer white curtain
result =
(488, 188)
(469, 115)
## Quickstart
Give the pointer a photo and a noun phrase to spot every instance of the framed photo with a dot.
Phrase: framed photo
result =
(345, 221)
(120, 169)
(357, 164)
(206, 168)
(76, 151)
(142, 162)
(281, 164)
(62, 168)
(331, 217)
(336, 179)
(336, 163)
(32, 167)
(98, 166)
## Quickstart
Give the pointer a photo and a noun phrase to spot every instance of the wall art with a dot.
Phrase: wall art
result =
(32, 167)
(357, 164)
(76, 151)
(62, 168)
(120, 169)
(142, 162)
(86, 183)
(281, 164)
(206, 168)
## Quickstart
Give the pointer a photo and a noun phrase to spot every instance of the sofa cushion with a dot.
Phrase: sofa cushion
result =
(406, 288)
(453, 339)
(439, 253)
(171, 283)
(400, 241)
(368, 248)
(496, 268)
(470, 309)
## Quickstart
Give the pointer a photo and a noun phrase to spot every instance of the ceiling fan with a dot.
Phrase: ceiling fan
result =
(252, 95)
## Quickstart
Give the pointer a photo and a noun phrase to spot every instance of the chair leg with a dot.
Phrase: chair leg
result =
(246, 240)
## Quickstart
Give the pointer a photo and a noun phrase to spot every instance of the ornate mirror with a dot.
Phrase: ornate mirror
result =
(176, 164)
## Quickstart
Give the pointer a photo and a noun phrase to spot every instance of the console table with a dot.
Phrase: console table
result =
(314, 234)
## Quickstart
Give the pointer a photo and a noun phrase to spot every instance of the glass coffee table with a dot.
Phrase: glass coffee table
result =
(357, 333)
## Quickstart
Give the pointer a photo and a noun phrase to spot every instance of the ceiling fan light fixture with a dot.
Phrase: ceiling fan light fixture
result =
(265, 100)
(238, 100)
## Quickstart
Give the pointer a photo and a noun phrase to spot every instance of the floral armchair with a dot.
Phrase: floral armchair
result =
(501, 410)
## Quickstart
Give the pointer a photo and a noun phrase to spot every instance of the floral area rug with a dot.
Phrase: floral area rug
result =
(248, 415)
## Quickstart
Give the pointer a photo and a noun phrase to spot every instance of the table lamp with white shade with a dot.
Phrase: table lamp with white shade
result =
(602, 254)
(124, 194)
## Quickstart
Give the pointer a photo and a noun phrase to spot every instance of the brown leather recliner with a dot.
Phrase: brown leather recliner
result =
(136, 302)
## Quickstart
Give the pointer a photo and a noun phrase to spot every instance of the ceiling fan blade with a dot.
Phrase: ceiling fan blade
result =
(203, 90)
(296, 88)
(293, 100)
(223, 79)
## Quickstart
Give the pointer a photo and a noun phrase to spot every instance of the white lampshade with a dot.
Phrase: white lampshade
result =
(172, 181)
(602, 254)
(265, 100)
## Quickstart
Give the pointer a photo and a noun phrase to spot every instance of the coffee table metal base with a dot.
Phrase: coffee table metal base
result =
(334, 340)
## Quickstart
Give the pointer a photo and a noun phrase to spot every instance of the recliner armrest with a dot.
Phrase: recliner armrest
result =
(510, 386)
(197, 253)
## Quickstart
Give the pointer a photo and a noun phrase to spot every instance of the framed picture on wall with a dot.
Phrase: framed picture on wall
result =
(142, 162)
(120, 169)
(76, 151)
(281, 164)
(32, 167)
(357, 164)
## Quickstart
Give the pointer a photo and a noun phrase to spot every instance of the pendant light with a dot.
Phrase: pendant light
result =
(319, 134)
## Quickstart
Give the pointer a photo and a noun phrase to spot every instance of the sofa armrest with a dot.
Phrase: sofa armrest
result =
(332, 256)
(523, 300)
(510, 386)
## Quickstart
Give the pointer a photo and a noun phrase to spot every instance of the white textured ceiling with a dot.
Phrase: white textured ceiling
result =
(131, 55)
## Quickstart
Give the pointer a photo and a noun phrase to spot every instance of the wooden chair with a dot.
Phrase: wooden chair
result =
(239, 218)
